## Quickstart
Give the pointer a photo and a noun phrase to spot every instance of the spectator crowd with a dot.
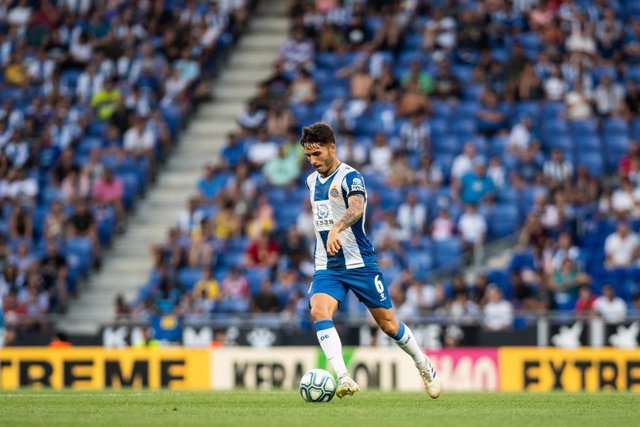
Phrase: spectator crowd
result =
(471, 121)
(93, 95)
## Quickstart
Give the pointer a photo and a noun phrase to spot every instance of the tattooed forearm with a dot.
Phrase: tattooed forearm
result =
(353, 213)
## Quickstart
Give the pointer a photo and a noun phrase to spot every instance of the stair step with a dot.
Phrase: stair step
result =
(245, 77)
(106, 284)
(226, 111)
(271, 8)
(271, 24)
(253, 60)
(243, 92)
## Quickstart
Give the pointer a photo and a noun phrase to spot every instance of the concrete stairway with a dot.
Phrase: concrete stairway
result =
(128, 264)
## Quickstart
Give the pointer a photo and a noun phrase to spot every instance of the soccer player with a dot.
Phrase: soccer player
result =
(345, 259)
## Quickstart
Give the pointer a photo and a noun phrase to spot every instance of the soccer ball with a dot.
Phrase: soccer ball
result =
(317, 385)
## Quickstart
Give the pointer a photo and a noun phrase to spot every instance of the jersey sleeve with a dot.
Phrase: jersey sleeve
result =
(353, 184)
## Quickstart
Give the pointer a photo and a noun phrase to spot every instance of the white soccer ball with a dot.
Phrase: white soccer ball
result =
(317, 385)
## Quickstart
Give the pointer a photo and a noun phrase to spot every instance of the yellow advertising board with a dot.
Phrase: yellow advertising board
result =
(505, 369)
(99, 368)
(549, 369)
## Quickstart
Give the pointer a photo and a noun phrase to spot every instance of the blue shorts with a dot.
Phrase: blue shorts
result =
(366, 283)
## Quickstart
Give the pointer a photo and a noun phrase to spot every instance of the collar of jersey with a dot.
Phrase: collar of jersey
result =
(324, 180)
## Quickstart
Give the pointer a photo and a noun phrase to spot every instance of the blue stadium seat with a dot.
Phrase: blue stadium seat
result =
(500, 54)
(448, 253)
(633, 72)
(498, 146)
(239, 244)
(106, 225)
(462, 72)
(441, 108)
(79, 254)
(522, 261)
(603, 70)
(287, 215)
(635, 129)
(446, 144)
(473, 92)
(530, 41)
(467, 109)
(561, 141)
(615, 126)
(500, 278)
(231, 259)
(465, 126)
(586, 142)
(391, 199)
(615, 146)
(445, 160)
(132, 188)
(593, 161)
(616, 142)
(439, 126)
(255, 276)
(188, 277)
(277, 195)
(583, 127)
(504, 220)
(389, 274)
(508, 195)
(553, 126)
(528, 108)
(420, 262)
(413, 41)
(553, 110)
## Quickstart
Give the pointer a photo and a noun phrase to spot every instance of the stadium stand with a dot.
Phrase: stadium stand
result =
(471, 121)
(458, 116)
(93, 98)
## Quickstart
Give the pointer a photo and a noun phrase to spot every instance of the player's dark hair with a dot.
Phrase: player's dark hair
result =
(317, 133)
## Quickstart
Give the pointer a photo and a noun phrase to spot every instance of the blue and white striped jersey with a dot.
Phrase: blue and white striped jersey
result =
(329, 200)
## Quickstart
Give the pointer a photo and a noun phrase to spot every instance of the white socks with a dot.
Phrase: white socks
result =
(405, 340)
(332, 346)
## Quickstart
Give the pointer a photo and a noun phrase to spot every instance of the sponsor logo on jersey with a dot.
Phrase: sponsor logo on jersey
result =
(323, 211)
(356, 185)
(334, 192)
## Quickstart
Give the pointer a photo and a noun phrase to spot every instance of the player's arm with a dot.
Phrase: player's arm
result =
(353, 213)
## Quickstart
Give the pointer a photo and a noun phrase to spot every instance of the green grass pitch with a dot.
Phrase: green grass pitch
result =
(282, 409)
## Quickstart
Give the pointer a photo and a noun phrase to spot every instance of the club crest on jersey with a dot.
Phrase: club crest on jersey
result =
(356, 185)
(334, 192)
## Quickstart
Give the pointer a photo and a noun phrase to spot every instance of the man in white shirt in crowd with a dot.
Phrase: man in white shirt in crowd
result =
(138, 140)
(625, 200)
(608, 97)
(297, 50)
(557, 170)
(621, 247)
(416, 135)
(498, 313)
(262, 150)
(472, 227)
(412, 215)
(610, 307)
(338, 117)
(350, 152)
(463, 162)
(520, 136)
(252, 118)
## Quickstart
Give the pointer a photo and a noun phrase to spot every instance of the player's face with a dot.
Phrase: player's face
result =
(321, 157)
